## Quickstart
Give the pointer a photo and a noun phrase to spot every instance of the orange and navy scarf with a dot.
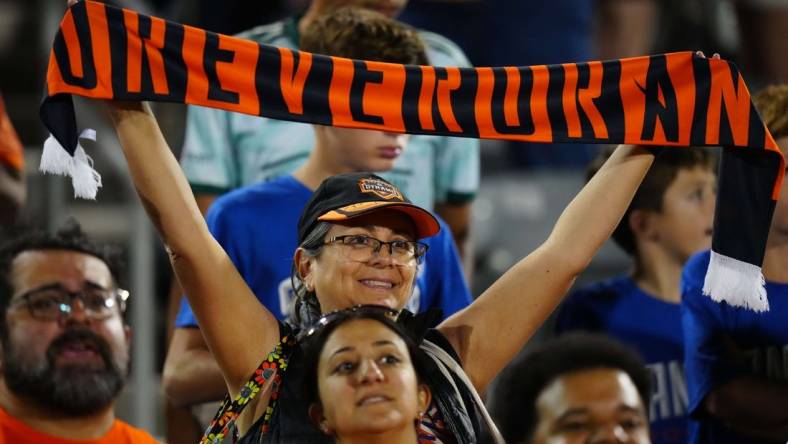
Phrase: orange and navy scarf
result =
(676, 99)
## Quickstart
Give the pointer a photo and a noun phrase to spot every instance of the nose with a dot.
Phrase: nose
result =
(369, 372)
(77, 314)
(382, 256)
(609, 434)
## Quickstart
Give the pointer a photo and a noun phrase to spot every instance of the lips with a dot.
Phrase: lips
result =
(377, 284)
(373, 399)
(390, 152)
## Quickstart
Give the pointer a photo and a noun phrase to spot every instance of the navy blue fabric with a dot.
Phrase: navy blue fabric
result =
(717, 336)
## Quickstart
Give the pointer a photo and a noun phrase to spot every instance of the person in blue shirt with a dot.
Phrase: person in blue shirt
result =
(256, 225)
(736, 360)
(669, 219)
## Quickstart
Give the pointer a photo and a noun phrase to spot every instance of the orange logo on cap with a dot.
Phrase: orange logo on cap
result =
(382, 189)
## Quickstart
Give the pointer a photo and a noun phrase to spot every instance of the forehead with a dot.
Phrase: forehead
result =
(360, 334)
(600, 389)
(35, 268)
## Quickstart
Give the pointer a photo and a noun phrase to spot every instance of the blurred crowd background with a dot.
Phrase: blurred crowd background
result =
(523, 188)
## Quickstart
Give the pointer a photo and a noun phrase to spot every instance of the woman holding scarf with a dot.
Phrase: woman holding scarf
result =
(360, 246)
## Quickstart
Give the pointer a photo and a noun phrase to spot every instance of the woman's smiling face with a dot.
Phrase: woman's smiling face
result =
(341, 282)
(366, 381)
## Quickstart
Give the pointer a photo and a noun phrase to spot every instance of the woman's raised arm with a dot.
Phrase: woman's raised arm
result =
(238, 329)
(489, 332)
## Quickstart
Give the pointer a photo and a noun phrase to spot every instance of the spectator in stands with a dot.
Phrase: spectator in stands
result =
(261, 246)
(224, 150)
(736, 360)
(12, 170)
(579, 388)
(669, 219)
(366, 377)
(65, 344)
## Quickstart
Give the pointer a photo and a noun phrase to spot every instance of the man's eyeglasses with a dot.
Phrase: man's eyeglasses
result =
(332, 316)
(53, 303)
(361, 248)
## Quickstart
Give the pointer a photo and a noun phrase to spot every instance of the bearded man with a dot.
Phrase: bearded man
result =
(65, 344)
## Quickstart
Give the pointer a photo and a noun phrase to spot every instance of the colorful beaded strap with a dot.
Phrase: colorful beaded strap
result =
(273, 366)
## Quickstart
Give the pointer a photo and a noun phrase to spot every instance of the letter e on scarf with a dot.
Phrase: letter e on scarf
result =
(366, 94)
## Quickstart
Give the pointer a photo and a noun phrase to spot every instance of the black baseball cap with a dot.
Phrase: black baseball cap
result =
(345, 196)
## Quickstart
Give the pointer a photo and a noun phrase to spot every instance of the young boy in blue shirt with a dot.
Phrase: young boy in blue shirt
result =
(736, 360)
(256, 225)
(669, 219)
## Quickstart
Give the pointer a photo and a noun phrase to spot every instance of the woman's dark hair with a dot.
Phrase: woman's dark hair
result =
(513, 404)
(306, 309)
(313, 346)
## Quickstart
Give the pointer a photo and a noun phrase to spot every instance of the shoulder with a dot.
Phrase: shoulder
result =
(442, 51)
(606, 290)
(279, 191)
(695, 271)
(126, 433)
(269, 34)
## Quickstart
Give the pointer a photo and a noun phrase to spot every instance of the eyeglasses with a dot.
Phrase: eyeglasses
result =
(361, 248)
(53, 303)
(332, 316)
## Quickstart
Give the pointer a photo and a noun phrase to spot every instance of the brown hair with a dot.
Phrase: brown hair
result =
(772, 104)
(651, 193)
(366, 35)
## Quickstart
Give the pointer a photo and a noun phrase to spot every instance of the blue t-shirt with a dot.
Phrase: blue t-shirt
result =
(619, 308)
(711, 331)
(256, 226)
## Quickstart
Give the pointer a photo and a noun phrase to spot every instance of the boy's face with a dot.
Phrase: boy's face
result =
(362, 150)
(684, 226)
(591, 406)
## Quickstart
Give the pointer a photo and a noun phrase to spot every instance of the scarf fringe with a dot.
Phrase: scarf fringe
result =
(55, 160)
(738, 283)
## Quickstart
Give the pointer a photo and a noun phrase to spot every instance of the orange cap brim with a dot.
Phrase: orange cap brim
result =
(426, 224)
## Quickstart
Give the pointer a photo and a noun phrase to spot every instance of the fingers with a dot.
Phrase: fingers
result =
(715, 56)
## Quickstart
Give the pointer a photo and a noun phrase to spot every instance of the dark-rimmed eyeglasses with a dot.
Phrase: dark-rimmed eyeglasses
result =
(361, 248)
(53, 303)
(328, 318)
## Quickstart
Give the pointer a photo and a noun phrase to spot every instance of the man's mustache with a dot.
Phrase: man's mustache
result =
(80, 336)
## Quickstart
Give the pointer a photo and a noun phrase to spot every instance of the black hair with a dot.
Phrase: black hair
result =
(306, 308)
(516, 392)
(69, 237)
(313, 347)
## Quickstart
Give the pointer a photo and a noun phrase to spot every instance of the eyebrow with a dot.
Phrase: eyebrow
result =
(572, 412)
(381, 343)
(585, 410)
(59, 286)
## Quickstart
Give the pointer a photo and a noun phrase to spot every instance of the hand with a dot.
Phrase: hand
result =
(715, 56)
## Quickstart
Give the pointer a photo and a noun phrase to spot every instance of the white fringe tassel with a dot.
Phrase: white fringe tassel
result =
(55, 160)
(738, 283)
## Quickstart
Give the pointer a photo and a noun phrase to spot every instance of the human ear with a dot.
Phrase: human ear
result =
(303, 264)
(424, 397)
(641, 222)
(317, 417)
